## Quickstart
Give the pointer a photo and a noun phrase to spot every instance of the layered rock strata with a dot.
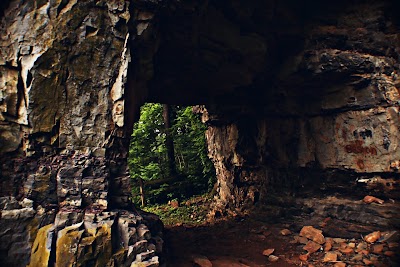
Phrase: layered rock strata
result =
(64, 187)
(301, 99)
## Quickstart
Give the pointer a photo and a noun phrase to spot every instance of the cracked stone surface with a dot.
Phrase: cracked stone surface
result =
(300, 99)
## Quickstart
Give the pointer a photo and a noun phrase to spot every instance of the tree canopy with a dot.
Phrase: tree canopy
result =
(148, 155)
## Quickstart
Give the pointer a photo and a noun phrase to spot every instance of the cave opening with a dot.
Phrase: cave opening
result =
(168, 163)
(300, 100)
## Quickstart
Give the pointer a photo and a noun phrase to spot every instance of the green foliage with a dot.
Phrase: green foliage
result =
(192, 212)
(147, 147)
(148, 156)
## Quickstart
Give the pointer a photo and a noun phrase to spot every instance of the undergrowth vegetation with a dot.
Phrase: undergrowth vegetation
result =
(190, 212)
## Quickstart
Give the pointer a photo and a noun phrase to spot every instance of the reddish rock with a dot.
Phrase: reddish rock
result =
(330, 256)
(378, 249)
(312, 247)
(389, 253)
(351, 245)
(372, 237)
(372, 199)
(346, 250)
(202, 261)
(174, 203)
(268, 251)
(328, 246)
(313, 234)
(339, 264)
(285, 232)
(273, 258)
(367, 262)
(303, 257)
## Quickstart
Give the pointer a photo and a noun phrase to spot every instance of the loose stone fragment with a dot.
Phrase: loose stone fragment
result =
(300, 239)
(303, 257)
(273, 258)
(377, 249)
(372, 199)
(202, 261)
(313, 234)
(372, 237)
(285, 232)
(328, 245)
(339, 240)
(367, 262)
(330, 256)
(339, 264)
(389, 253)
(312, 247)
(268, 252)
(357, 257)
(347, 250)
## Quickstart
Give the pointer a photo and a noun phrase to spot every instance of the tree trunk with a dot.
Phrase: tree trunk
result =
(142, 197)
(169, 142)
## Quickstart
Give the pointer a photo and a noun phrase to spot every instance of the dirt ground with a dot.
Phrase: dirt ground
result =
(240, 242)
(229, 243)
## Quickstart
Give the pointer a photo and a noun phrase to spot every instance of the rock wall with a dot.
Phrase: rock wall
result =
(301, 99)
(328, 123)
(63, 142)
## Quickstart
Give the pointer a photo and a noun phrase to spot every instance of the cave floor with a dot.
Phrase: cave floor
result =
(241, 242)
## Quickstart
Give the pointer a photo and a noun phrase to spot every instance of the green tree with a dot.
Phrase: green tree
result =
(149, 156)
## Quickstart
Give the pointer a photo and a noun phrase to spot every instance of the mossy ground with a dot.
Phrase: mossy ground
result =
(192, 211)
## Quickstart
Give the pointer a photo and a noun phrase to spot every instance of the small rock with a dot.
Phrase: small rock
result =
(286, 232)
(346, 250)
(339, 264)
(328, 245)
(367, 262)
(389, 253)
(330, 256)
(313, 234)
(377, 249)
(361, 246)
(303, 257)
(273, 258)
(268, 251)
(174, 203)
(372, 237)
(372, 199)
(339, 240)
(312, 247)
(26, 203)
(357, 257)
(201, 261)
(364, 252)
(351, 245)
(300, 239)
(343, 245)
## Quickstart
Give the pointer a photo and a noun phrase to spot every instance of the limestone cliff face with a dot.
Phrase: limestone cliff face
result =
(63, 175)
(300, 98)
(329, 118)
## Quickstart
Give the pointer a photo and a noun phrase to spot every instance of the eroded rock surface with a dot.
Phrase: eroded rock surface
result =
(301, 99)
(63, 175)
